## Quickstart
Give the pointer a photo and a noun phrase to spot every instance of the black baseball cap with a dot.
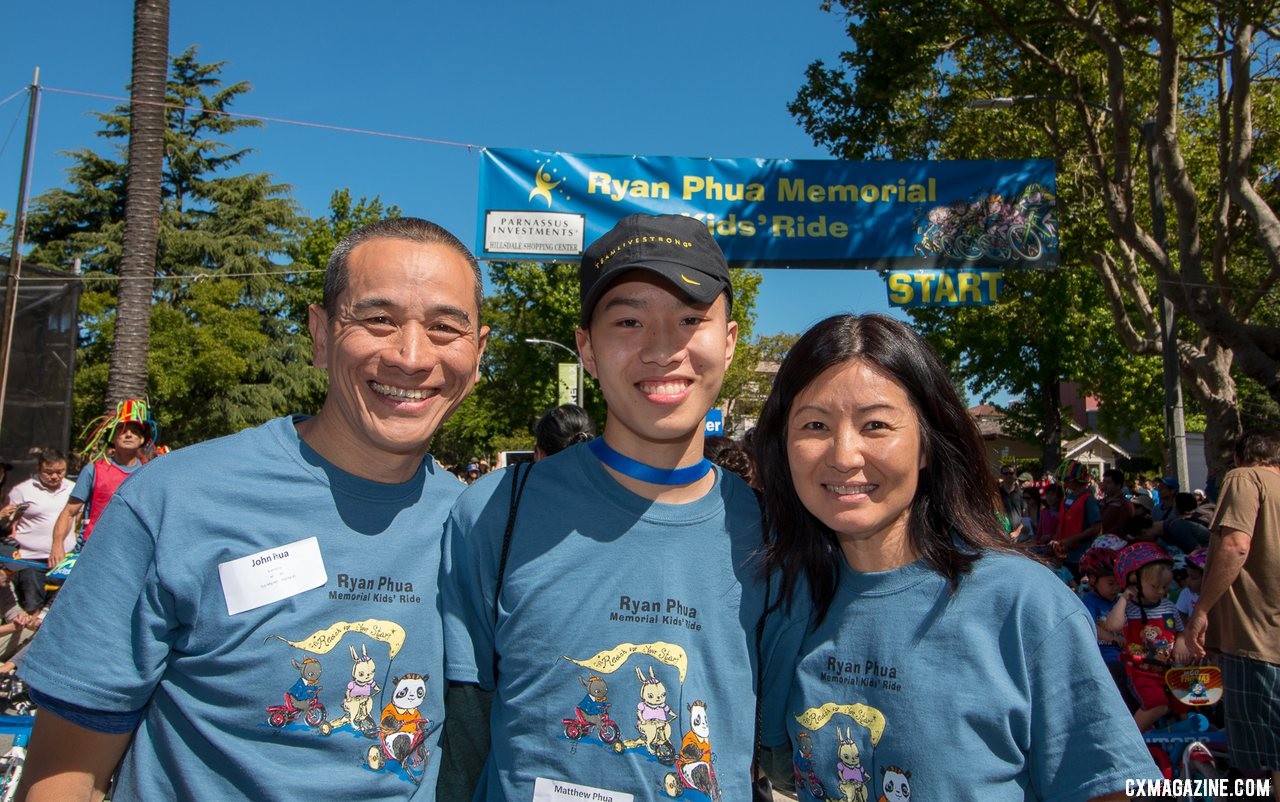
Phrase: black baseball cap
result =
(678, 248)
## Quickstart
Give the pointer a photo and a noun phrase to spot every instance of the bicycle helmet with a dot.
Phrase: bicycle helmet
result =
(1112, 542)
(1198, 558)
(1098, 562)
(1134, 557)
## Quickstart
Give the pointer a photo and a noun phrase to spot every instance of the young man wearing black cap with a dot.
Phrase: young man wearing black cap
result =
(628, 572)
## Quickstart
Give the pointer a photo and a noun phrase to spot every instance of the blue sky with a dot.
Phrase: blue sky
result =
(665, 77)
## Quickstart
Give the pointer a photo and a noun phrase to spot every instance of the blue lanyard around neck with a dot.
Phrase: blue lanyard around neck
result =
(647, 473)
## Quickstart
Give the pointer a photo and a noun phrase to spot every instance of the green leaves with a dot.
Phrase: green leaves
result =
(223, 354)
(1086, 77)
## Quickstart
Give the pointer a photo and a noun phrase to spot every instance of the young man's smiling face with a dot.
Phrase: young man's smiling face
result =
(660, 359)
(401, 351)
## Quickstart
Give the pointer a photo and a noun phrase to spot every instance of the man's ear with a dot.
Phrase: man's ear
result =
(482, 342)
(730, 342)
(318, 324)
(583, 338)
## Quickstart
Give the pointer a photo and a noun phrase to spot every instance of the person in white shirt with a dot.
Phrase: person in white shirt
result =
(35, 505)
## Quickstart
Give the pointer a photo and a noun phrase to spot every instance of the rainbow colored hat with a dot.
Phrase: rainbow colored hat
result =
(1073, 471)
(102, 430)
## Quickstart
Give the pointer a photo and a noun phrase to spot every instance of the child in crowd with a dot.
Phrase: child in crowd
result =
(1031, 513)
(1047, 527)
(1190, 592)
(1150, 623)
(1098, 567)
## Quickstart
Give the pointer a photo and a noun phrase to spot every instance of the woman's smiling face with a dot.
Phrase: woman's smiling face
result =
(855, 450)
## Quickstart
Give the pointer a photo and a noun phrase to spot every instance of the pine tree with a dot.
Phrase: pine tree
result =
(223, 352)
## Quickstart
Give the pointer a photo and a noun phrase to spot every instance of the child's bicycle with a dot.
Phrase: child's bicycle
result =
(15, 731)
(1191, 749)
(54, 577)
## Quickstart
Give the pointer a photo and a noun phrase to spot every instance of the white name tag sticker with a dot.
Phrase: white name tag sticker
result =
(272, 575)
(545, 790)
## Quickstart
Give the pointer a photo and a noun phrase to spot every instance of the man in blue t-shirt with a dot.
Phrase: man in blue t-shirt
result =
(629, 566)
(204, 635)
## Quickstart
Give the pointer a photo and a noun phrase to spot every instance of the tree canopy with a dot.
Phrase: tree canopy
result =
(223, 354)
(1085, 83)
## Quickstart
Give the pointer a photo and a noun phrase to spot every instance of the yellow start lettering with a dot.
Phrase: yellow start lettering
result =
(943, 287)
(900, 289)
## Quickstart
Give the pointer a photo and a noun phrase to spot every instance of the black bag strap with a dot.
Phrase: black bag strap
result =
(761, 789)
(520, 474)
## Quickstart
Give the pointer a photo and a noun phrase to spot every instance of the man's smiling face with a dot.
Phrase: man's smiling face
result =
(402, 348)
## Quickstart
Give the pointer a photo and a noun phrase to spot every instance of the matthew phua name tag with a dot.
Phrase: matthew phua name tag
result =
(545, 790)
(271, 575)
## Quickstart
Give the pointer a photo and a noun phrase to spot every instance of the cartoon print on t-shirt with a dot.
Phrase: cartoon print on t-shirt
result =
(849, 765)
(302, 698)
(851, 777)
(357, 703)
(592, 714)
(400, 730)
(660, 667)
(896, 786)
(694, 760)
(803, 767)
(653, 719)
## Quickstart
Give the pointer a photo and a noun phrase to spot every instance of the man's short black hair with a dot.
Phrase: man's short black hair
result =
(48, 456)
(1258, 447)
(411, 229)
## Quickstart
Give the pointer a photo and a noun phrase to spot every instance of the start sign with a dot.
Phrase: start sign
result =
(965, 287)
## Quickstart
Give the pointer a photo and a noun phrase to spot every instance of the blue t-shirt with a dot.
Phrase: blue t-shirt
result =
(994, 693)
(659, 601)
(1098, 607)
(145, 622)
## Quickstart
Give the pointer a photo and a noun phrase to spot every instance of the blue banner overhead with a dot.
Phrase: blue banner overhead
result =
(878, 215)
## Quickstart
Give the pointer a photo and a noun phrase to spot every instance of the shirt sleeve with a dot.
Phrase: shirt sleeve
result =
(784, 633)
(105, 644)
(1084, 743)
(1185, 603)
(1238, 503)
(95, 720)
(84, 484)
(1092, 511)
(468, 579)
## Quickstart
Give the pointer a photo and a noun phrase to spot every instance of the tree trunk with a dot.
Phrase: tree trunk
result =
(128, 374)
(1051, 410)
(1209, 380)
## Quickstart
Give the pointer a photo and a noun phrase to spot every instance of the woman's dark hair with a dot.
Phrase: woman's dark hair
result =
(728, 454)
(561, 427)
(714, 444)
(953, 514)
